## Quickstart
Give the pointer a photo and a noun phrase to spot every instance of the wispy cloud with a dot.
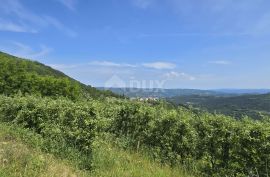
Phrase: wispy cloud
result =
(154, 65)
(220, 62)
(160, 65)
(13, 27)
(70, 4)
(58, 25)
(192, 34)
(178, 75)
(64, 66)
(133, 75)
(22, 50)
(111, 64)
(24, 20)
(232, 18)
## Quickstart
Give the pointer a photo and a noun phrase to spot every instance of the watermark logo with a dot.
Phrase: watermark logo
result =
(135, 85)
(115, 82)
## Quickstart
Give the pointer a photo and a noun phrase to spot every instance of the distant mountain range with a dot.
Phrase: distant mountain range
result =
(233, 102)
(168, 93)
(243, 91)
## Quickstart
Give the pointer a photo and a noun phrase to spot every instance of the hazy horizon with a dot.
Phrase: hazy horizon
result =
(210, 89)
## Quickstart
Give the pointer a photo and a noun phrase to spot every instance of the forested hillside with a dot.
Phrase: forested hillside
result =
(254, 106)
(31, 77)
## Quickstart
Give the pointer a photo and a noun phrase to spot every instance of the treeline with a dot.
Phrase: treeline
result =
(208, 145)
(254, 106)
(28, 77)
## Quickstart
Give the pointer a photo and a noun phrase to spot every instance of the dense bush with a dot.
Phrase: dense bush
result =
(63, 123)
(210, 145)
(214, 145)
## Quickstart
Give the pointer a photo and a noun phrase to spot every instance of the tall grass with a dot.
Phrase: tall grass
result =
(21, 155)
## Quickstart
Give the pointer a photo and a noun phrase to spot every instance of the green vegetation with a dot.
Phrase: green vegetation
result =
(63, 124)
(254, 106)
(86, 136)
(213, 145)
(22, 155)
(111, 160)
(210, 145)
(28, 77)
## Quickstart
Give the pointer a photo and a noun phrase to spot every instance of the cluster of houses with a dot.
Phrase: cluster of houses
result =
(145, 99)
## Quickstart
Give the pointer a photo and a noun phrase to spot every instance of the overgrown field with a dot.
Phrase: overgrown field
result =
(22, 155)
(204, 144)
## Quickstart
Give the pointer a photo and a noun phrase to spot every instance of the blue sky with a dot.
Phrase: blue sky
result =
(202, 44)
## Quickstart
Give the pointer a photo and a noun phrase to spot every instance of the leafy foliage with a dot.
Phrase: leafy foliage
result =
(28, 77)
(61, 122)
(215, 145)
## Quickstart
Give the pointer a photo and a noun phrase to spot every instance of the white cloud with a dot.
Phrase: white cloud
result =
(111, 64)
(154, 65)
(220, 62)
(63, 66)
(199, 34)
(22, 50)
(70, 4)
(131, 74)
(176, 75)
(12, 27)
(27, 21)
(159, 65)
(15, 9)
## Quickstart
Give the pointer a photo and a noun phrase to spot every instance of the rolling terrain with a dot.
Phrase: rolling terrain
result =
(169, 93)
(237, 103)
(39, 143)
(50, 123)
(254, 106)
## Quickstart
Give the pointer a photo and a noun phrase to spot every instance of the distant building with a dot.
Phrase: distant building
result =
(145, 99)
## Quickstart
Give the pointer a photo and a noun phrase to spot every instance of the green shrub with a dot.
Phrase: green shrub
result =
(63, 123)
(210, 145)
(213, 145)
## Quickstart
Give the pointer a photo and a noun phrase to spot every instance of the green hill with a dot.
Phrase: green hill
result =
(254, 106)
(32, 77)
